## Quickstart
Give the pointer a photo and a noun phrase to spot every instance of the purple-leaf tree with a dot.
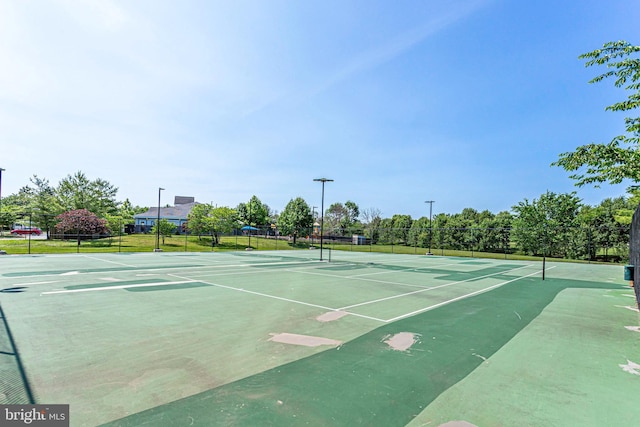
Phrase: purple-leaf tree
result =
(81, 222)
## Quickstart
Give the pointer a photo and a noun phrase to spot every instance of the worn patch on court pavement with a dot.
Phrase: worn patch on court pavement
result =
(331, 315)
(401, 341)
(305, 340)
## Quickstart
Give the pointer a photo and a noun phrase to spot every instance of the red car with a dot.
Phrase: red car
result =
(27, 230)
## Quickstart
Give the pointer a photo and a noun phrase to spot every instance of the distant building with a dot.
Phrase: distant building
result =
(176, 214)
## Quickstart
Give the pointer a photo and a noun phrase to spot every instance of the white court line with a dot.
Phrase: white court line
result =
(110, 288)
(404, 269)
(257, 265)
(336, 276)
(462, 297)
(387, 282)
(140, 269)
(434, 287)
(255, 268)
(234, 273)
(278, 298)
(112, 262)
(37, 283)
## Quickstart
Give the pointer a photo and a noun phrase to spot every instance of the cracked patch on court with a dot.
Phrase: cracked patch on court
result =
(628, 307)
(631, 367)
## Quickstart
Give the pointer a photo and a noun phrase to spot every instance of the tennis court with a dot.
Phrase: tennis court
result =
(281, 338)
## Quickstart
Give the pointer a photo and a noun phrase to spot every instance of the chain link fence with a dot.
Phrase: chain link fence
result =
(604, 244)
(634, 254)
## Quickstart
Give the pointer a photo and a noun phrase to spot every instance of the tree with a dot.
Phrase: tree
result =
(335, 218)
(401, 224)
(37, 202)
(353, 212)
(254, 213)
(167, 228)
(547, 225)
(440, 230)
(343, 218)
(624, 215)
(15, 206)
(80, 222)
(497, 233)
(295, 218)
(419, 233)
(372, 219)
(223, 220)
(78, 192)
(125, 215)
(603, 230)
(457, 235)
(385, 232)
(619, 159)
(127, 211)
(199, 219)
(45, 206)
(205, 219)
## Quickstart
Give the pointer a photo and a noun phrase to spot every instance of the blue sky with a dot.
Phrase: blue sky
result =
(462, 102)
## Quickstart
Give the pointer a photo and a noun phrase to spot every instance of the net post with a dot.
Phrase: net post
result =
(634, 252)
(544, 251)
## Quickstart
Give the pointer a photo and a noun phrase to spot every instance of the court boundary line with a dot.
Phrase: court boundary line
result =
(433, 287)
(307, 262)
(345, 308)
(118, 287)
(387, 282)
(393, 319)
(111, 262)
(151, 269)
(233, 288)
(403, 269)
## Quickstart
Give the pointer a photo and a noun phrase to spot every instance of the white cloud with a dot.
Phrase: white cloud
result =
(96, 15)
(399, 44)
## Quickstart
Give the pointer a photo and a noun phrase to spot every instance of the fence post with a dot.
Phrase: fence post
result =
(29, 234)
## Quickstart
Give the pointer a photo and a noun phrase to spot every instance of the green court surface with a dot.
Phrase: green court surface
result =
(281, 338)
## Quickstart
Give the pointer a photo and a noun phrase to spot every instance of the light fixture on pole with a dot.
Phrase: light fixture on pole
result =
(431, 202)
(158, 223)
(322, 180)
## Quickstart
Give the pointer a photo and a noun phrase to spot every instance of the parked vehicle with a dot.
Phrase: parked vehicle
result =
(26, 230)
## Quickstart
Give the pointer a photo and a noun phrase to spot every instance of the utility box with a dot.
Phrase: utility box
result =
(359, 240)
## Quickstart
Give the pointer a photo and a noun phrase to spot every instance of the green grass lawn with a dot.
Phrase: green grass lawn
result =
(141, 243)
(176, 243)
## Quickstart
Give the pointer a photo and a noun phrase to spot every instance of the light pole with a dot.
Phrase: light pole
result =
(1, 224)
(313, 228)
(158, 223)
(430, 225)
(322, 180)
(249, 230)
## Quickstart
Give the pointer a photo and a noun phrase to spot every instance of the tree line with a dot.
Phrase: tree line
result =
(553, 224)
(557, 225)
